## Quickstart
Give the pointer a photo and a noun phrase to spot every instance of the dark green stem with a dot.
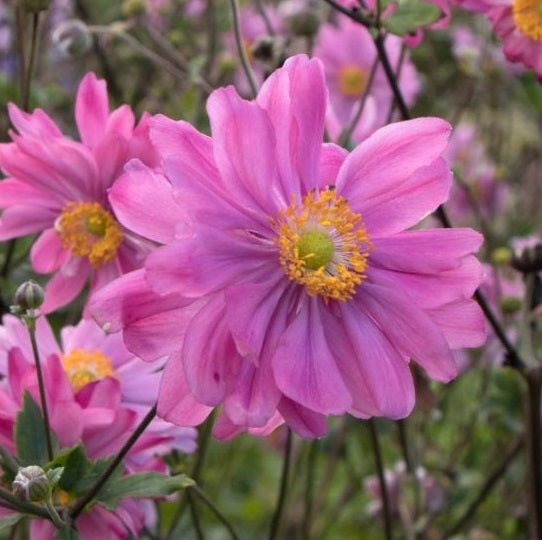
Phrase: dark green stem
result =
(25, 97)
(220, 516)
(309, 490)
(275, 522)
(386, 510)
(195, 516)
(80, 505)
(31, 324)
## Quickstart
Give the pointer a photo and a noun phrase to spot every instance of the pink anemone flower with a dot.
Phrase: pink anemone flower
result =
(296, 288)
(348, 53)
(96, 416)
(58, 187)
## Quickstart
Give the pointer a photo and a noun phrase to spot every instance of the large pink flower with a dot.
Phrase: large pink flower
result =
(309, 296)
(58, 187)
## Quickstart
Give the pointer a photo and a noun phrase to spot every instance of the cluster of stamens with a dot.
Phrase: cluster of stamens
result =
(528, 18)
(323, 245)
(88, 230)
(83, 367)
(352, 80)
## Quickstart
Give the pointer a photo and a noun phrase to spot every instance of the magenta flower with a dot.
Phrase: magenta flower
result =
(58, 187)
(348, 54)
(309, 296)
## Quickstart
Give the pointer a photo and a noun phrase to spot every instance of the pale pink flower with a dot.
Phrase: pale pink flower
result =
(58, 187)
(348, 54)
(296, 288)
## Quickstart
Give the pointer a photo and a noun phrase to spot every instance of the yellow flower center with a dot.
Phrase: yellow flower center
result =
(89, 231)
(352, 80)
(528, 18)
(84, 367)
(323, 245)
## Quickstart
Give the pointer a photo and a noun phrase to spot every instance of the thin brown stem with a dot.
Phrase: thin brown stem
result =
(104, 477)
(386, 509)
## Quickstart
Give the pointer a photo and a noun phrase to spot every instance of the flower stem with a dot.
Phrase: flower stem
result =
(241, 49)
(309, 491)
(195, 517)
(21, 506)
(533, 425)
(80, 505)
(386, 510)
(201, 494)
(275, 523)
(31, 325)
(25, 96)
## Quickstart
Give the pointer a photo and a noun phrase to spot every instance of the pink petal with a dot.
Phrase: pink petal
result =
(247, 164)
(48, 253)
(66, 284)
(35, 124)
(143, 202)
(176, 403)
(381, 167)
(303, 421)
(409, 329)
(295, 98)
(111, 154)
(207, 350)
(91, 109)
(305, 369)
(16, 221)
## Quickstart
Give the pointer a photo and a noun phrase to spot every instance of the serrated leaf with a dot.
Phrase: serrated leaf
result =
(93, 472)
(30, 434)
(54, 476)
(76, 465)
(141, 485)
(410, 15)
(10, 521)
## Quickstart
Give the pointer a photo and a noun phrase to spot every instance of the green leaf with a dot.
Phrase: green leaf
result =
(76, 465)
(92, 473)
(30, 434)
(54, 476)
(10, 521)
(141, 485)
(410, 15)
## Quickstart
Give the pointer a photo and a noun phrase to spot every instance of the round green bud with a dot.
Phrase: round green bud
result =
(72, 38)
(31, 484)
(29, 295)
(133, 8)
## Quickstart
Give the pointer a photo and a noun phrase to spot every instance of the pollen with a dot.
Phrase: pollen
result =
(323, 245)
(90, 231)
(528, 18)
(83, 367)
(352, 80)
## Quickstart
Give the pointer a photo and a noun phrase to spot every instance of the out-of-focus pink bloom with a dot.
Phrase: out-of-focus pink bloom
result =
(477, 192)
(432, 492)
(348, 54)
(58, 187)
(297, 288)
(94, 414)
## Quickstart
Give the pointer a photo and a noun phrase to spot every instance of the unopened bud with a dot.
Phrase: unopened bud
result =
(510, 304)
(29, 295)
(34, 6)
(31, 484)
(528, 259)
(72, 38)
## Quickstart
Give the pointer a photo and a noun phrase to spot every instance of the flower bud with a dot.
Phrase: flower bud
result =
(528, 259)
(29, 295)
(31, 484)
(34, 6)
(72, 38)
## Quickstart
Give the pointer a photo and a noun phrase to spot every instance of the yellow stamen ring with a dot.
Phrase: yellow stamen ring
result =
(323, 246)
(528, 18)
(84, 367)
(89, 231)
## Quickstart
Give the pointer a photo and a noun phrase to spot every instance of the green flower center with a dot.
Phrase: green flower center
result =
(316, 248)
